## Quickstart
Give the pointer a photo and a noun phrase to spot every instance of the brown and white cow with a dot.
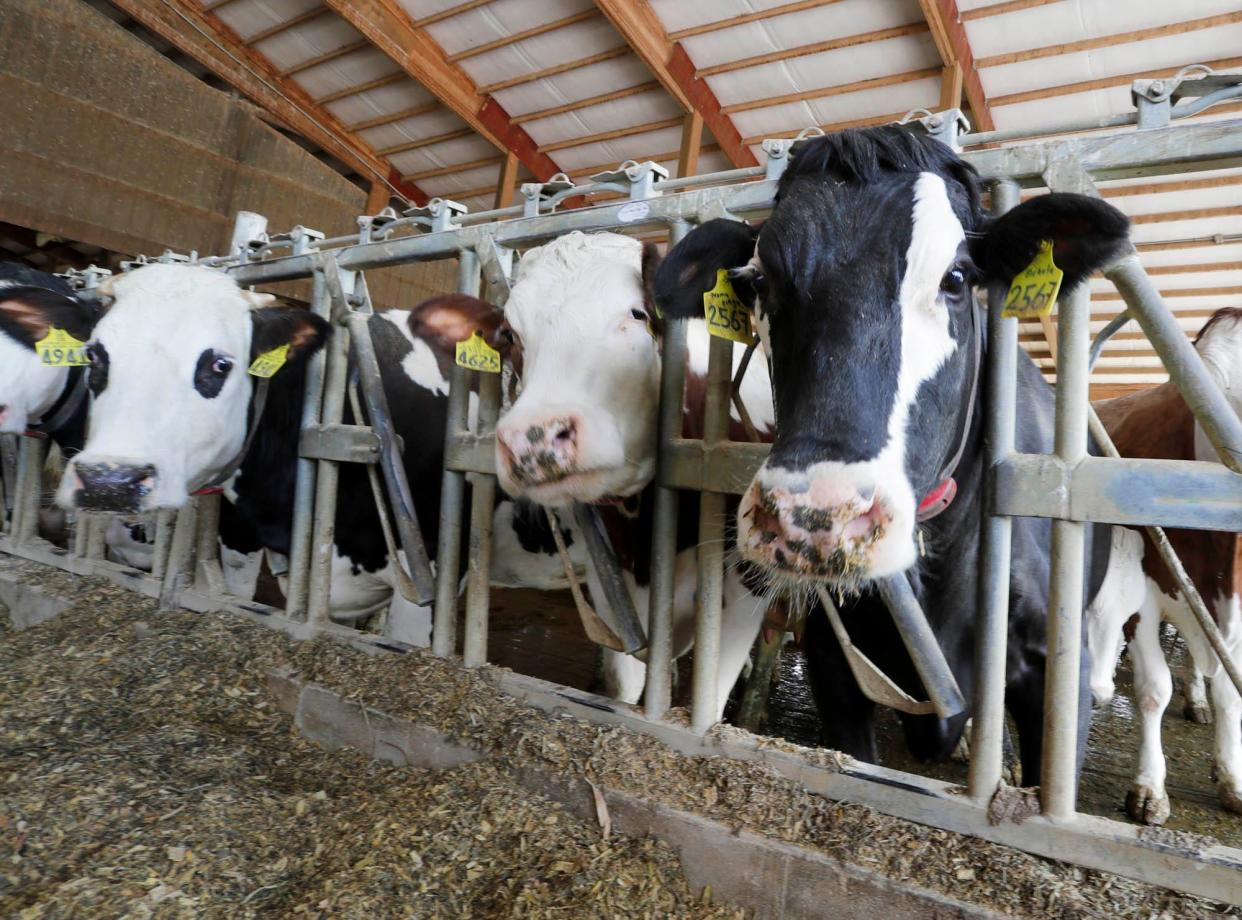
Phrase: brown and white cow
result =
(1157, 424)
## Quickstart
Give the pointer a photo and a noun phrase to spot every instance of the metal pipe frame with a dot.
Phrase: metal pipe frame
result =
(722, 467)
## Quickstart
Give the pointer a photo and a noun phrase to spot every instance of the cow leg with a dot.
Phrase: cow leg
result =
(1147, 801)
(1228, 707)
(846, 716)
(740, 620)
(1195, 708)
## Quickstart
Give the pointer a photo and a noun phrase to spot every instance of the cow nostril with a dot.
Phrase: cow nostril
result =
(565, 432)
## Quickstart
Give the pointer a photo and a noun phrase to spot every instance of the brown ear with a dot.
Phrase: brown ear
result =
(27, 314)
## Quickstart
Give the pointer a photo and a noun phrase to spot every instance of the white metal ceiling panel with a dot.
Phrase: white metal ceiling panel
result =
(576, 84)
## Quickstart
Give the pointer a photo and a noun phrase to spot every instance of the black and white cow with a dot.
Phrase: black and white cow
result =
(172, 400)
(863, 284)
(583, 427)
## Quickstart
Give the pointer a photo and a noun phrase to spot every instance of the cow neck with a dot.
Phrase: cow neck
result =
(942, 494)
(68, 405)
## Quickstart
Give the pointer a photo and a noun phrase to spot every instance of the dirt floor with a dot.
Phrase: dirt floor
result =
(144, 772)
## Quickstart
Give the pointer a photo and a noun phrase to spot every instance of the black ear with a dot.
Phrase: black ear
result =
(303, 331)
(1086, 235)
(27, 314)
(689, 270)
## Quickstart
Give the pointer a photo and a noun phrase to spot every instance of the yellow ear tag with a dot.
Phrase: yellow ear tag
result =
(474, 354)
(727, 316)
(59, 349)
(268, 363)
(1034, 290)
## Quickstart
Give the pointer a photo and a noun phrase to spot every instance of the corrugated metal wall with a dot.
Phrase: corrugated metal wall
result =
(104, 141)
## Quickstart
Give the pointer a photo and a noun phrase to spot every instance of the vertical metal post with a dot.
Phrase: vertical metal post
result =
(179, 553)
(658, 696)
(988, 708)
(208, 575)
(452, 490)
(323, 535)
(479, 562)
(711, 545)
(31, 454)
(304, 485)
(165, 520)
(1058, 791)
(96, 526)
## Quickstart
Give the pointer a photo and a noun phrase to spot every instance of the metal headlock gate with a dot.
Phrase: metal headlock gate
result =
(1067, 486)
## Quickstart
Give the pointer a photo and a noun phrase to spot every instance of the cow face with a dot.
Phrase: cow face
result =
(584, 425)
(31, 304)
(171, 390)
(864, 281)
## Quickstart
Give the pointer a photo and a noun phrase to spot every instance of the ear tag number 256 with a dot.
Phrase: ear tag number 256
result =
(474, 354)
(1034, 290)
(59, 349)
(727, 316)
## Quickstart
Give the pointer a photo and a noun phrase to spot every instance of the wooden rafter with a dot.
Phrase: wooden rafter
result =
(315, 12)
(428, 140)
(1121, 79)
(344, 51)
(628, 131)
(438, 171)
(834, 126)
(401, 115)
(531, 76)
(951, 41)
(831, 44)
(533, 32)
(451, 12)
(624, 93)
(388, 79)
(840, 89)
(217, 48)
(998, 9)
(669, 63)
(758, 16)
(390, 29)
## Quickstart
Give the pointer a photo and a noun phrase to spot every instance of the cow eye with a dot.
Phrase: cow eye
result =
(505, 336)
(954, 281)
(221, 366)
(639, 314)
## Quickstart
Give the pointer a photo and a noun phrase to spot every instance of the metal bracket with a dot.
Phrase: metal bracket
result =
(438, 214)
(343, 443)
(947, 126)
(537, 194)
(638, 180)
(777, 149)
(1155, 99)
(368, 224)
(301, 239)
(85, 279)
(496, 263)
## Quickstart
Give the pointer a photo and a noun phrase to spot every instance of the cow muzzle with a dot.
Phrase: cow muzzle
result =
(821, 529)
(540, 452)
(107, 486)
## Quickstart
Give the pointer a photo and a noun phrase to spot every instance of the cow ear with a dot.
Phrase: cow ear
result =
(27, 314)
(689, 270)
(1086, 235)
(256, 299)
(303, 331)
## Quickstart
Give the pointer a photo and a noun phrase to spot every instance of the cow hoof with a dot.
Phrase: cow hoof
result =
(1144, 806)
(1199, 713)
(1230, 798)
(961, 753)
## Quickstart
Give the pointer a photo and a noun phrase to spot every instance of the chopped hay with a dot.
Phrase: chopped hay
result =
(151, 776)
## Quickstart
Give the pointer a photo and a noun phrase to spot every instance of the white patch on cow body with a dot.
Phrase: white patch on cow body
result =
(1221, 350)
(27, 388)
(756, 389)
(163, 318)
(420, 365)
(1121, 595)
(926, 343)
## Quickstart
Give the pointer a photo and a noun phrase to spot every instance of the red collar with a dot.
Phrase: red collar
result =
(209, 490)
(937, 500)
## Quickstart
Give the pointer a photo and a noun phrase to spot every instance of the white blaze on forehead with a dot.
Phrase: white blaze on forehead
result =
(420, 364)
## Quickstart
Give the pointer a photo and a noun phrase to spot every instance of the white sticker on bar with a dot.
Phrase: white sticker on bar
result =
(635, 210)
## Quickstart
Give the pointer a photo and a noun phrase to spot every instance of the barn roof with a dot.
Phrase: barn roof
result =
(464, 99)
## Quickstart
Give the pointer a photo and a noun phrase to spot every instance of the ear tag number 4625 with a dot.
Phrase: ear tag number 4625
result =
(727, 316)
(1034, 290)
(474, 354)
(60, 349)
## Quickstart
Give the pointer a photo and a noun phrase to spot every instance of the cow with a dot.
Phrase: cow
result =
(173, 406)
(1157, 424)
(863, 285)
(583, 426)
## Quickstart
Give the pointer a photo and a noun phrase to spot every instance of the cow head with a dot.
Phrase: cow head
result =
(171, 390)
(31, 304)
(863, 283)
(584, 425)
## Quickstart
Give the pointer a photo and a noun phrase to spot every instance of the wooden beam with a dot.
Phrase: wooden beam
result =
(506, 185)
(1223, 290)
(455, 168)
(947, 31)
(671, 65)
(691, 144)
(1161, 217)
(999, 9)
(733, 21)
(532, 75)
(1108, 41)
(450, 12)
(613, 134)
(315, 12)
(1084, 86)
(600, 99)
(1178, 185)
(334, 54)
(380, 120)
(390, 29)
(427, 141)
(831, 44)
(220, 50)
(378, 198)
(834, 126)
(378, 83)
(840, 89)
(533, 32)
(1194, 268)
(951, 86)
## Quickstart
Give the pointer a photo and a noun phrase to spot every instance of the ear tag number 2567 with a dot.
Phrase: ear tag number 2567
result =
(1034, 290)
(727, 316)
(474, 354)
(60, 349)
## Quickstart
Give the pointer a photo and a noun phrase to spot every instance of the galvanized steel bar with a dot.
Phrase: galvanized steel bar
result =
(180, 552)
(479, 560)
(922, 645)
(165, 521)
(991, 640)
(1059, 788)
(31, 455)
(453, 488)
(615, 604)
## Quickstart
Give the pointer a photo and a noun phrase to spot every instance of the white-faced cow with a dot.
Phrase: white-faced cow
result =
(1157, 424)
(863, 283)
(172, 407)
(583, 427)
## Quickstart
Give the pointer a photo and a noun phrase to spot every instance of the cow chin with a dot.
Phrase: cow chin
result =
(12, 420)
(119, 485)
(586, 486)
(810, 528)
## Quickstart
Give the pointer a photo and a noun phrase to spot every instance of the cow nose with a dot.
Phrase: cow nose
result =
(112, 486)
(541, 451)
(822, 530)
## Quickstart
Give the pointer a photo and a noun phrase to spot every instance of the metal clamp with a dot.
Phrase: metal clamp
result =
(1156, 100)
(85, 279)
(638, 180)
(536, 195)
(438, 214)
(777, 149)
(369, 224)
(947, 126)
(300, 240)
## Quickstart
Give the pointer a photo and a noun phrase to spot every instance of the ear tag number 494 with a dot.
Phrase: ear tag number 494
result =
(474, 354)
(727, 316)
(1034, 290)
(60, 349)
